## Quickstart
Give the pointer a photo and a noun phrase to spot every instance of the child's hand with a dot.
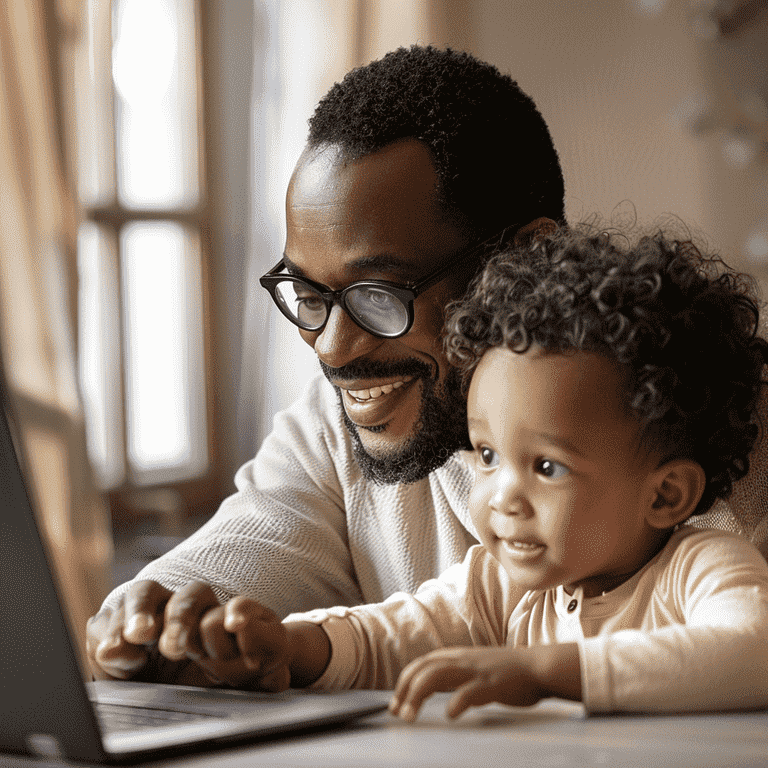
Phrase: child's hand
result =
(515, 676)
(241, 644)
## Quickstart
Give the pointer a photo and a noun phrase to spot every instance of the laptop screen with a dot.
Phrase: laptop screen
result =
(43, 705)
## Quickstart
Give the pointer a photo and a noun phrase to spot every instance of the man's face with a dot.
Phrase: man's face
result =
(378, 218)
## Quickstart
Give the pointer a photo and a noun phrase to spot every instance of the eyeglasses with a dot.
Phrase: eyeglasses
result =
(381, 308)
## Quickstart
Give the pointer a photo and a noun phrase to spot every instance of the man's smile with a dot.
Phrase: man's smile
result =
(376, 391)
(374, 405)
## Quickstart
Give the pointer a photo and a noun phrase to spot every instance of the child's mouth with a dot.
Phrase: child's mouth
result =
(521, 550)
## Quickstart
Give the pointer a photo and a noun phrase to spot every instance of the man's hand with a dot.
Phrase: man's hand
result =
(514, 676)
(153, 634)
(187, 637)
(119, 642)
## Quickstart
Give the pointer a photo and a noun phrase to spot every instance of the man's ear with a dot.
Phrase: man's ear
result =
(676, 488)
(527, 235)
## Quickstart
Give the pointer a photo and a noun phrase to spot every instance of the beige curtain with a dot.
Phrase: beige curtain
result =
(38, 289)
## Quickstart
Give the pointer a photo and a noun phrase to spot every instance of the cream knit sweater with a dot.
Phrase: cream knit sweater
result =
(305, 529)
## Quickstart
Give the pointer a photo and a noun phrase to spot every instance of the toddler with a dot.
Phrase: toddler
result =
(612, 395)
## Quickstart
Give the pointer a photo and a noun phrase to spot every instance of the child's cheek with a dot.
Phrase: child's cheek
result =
(479, 509)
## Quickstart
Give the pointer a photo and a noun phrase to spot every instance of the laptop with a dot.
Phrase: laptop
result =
(46, 708)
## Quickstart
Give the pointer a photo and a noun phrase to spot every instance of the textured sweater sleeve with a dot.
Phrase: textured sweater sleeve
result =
(371, 644)
(282, 537)
(707, 651)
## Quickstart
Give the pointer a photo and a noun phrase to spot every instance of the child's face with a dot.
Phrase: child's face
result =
(562, 487)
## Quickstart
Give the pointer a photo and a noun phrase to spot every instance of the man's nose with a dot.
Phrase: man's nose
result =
(342, 339)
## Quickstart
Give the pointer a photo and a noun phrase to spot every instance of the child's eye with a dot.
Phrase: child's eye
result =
(551, 469)
(488, 457)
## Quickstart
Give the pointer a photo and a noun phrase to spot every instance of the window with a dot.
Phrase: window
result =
(142, 253)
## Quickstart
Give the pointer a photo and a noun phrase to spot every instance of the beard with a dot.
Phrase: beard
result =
(440, 431)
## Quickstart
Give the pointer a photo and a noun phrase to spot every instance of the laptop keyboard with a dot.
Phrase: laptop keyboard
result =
(117, 717)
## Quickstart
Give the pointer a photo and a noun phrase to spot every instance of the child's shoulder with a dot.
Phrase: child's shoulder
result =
(690, 547)
(689, 535)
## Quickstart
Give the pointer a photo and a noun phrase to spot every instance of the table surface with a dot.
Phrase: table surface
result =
(553, 733)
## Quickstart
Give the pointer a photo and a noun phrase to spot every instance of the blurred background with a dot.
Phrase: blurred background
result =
(145, 149)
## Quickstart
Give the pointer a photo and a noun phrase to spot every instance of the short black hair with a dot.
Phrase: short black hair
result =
(682, 325)
(491, 148)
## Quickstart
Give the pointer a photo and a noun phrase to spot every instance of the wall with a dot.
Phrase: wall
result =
(622, 84)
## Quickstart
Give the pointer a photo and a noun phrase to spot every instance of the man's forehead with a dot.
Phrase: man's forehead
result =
(376, 214)
(316, 175)
(402, 170)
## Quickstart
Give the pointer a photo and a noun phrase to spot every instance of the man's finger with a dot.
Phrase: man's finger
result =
(180, 636)
(112, 655)
(144, 605)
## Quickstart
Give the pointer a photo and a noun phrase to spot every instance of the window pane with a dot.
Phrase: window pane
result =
(154, 66)
(93, 112)
(99, 345)
(167, 434)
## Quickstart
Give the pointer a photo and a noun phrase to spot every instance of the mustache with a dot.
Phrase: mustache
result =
(372, 369)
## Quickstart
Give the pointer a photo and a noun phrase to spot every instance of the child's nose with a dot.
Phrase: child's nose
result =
(508, 497)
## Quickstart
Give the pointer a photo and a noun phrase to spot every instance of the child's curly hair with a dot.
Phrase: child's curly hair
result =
(682, 325)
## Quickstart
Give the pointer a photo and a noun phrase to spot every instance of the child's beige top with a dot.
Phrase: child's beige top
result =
(687, 632)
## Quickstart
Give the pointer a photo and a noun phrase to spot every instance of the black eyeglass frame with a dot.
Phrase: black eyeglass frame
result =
(406, 294)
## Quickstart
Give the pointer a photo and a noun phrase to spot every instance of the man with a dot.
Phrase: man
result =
(360, 490)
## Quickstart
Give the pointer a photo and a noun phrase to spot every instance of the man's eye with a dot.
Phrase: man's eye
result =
(309, 300)
(488, 457)
(552, 469)
(378, 298)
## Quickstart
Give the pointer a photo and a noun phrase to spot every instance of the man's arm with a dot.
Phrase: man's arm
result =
(281, 539)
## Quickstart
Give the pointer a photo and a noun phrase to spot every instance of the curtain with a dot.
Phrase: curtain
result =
(38, 289)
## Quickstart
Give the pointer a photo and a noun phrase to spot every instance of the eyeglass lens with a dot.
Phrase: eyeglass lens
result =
(375, 308)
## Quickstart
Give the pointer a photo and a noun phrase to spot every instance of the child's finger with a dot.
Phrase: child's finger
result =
(260, 636)
(474, 693)
(434, 677)
(239, 610)
(403, 685)
(416, 668)
(276, 680)
(217, 643)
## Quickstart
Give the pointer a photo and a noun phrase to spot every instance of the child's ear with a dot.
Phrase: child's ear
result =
(676, 488)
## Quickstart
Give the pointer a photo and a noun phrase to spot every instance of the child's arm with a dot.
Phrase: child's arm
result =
(515, 676)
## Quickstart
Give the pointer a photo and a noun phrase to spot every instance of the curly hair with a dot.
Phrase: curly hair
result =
(480, 127)
(683, 326)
